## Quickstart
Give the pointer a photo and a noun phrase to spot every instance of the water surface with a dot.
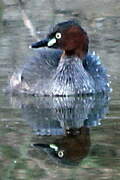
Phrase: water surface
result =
(22, 120)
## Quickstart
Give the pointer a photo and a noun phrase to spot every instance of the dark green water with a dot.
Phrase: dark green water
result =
(22, 118)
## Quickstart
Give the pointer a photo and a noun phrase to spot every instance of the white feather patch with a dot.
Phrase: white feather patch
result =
(51, 42)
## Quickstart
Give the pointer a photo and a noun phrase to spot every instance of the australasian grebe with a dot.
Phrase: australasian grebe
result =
(63, 66)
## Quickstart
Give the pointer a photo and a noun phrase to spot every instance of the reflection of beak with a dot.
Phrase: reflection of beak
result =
(49, 146)
(44, 43)
(41, 145)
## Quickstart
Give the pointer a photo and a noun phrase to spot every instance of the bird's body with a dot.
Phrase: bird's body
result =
(62, 66)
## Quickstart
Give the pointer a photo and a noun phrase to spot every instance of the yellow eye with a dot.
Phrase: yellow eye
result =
(58, 35)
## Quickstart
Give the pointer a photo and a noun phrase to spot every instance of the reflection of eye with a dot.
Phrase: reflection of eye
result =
(58, 35)
(60, 154)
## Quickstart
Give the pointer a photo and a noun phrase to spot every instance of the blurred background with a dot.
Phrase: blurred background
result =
(101, 20)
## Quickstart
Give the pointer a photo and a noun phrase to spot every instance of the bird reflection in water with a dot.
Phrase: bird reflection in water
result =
(65, 121)
(71, 148)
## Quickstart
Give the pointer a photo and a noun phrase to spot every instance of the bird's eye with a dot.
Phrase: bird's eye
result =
(61, 154)
(58, 35)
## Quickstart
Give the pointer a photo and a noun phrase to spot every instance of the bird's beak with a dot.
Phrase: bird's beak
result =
(44, 43)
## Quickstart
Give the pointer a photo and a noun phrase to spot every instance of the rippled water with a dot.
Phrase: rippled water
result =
(81, 146)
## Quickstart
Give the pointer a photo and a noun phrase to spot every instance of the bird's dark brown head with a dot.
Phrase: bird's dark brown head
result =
(68, 36)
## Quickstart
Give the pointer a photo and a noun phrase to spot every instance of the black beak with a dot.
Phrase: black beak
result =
(41, 145)
(39, 44)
